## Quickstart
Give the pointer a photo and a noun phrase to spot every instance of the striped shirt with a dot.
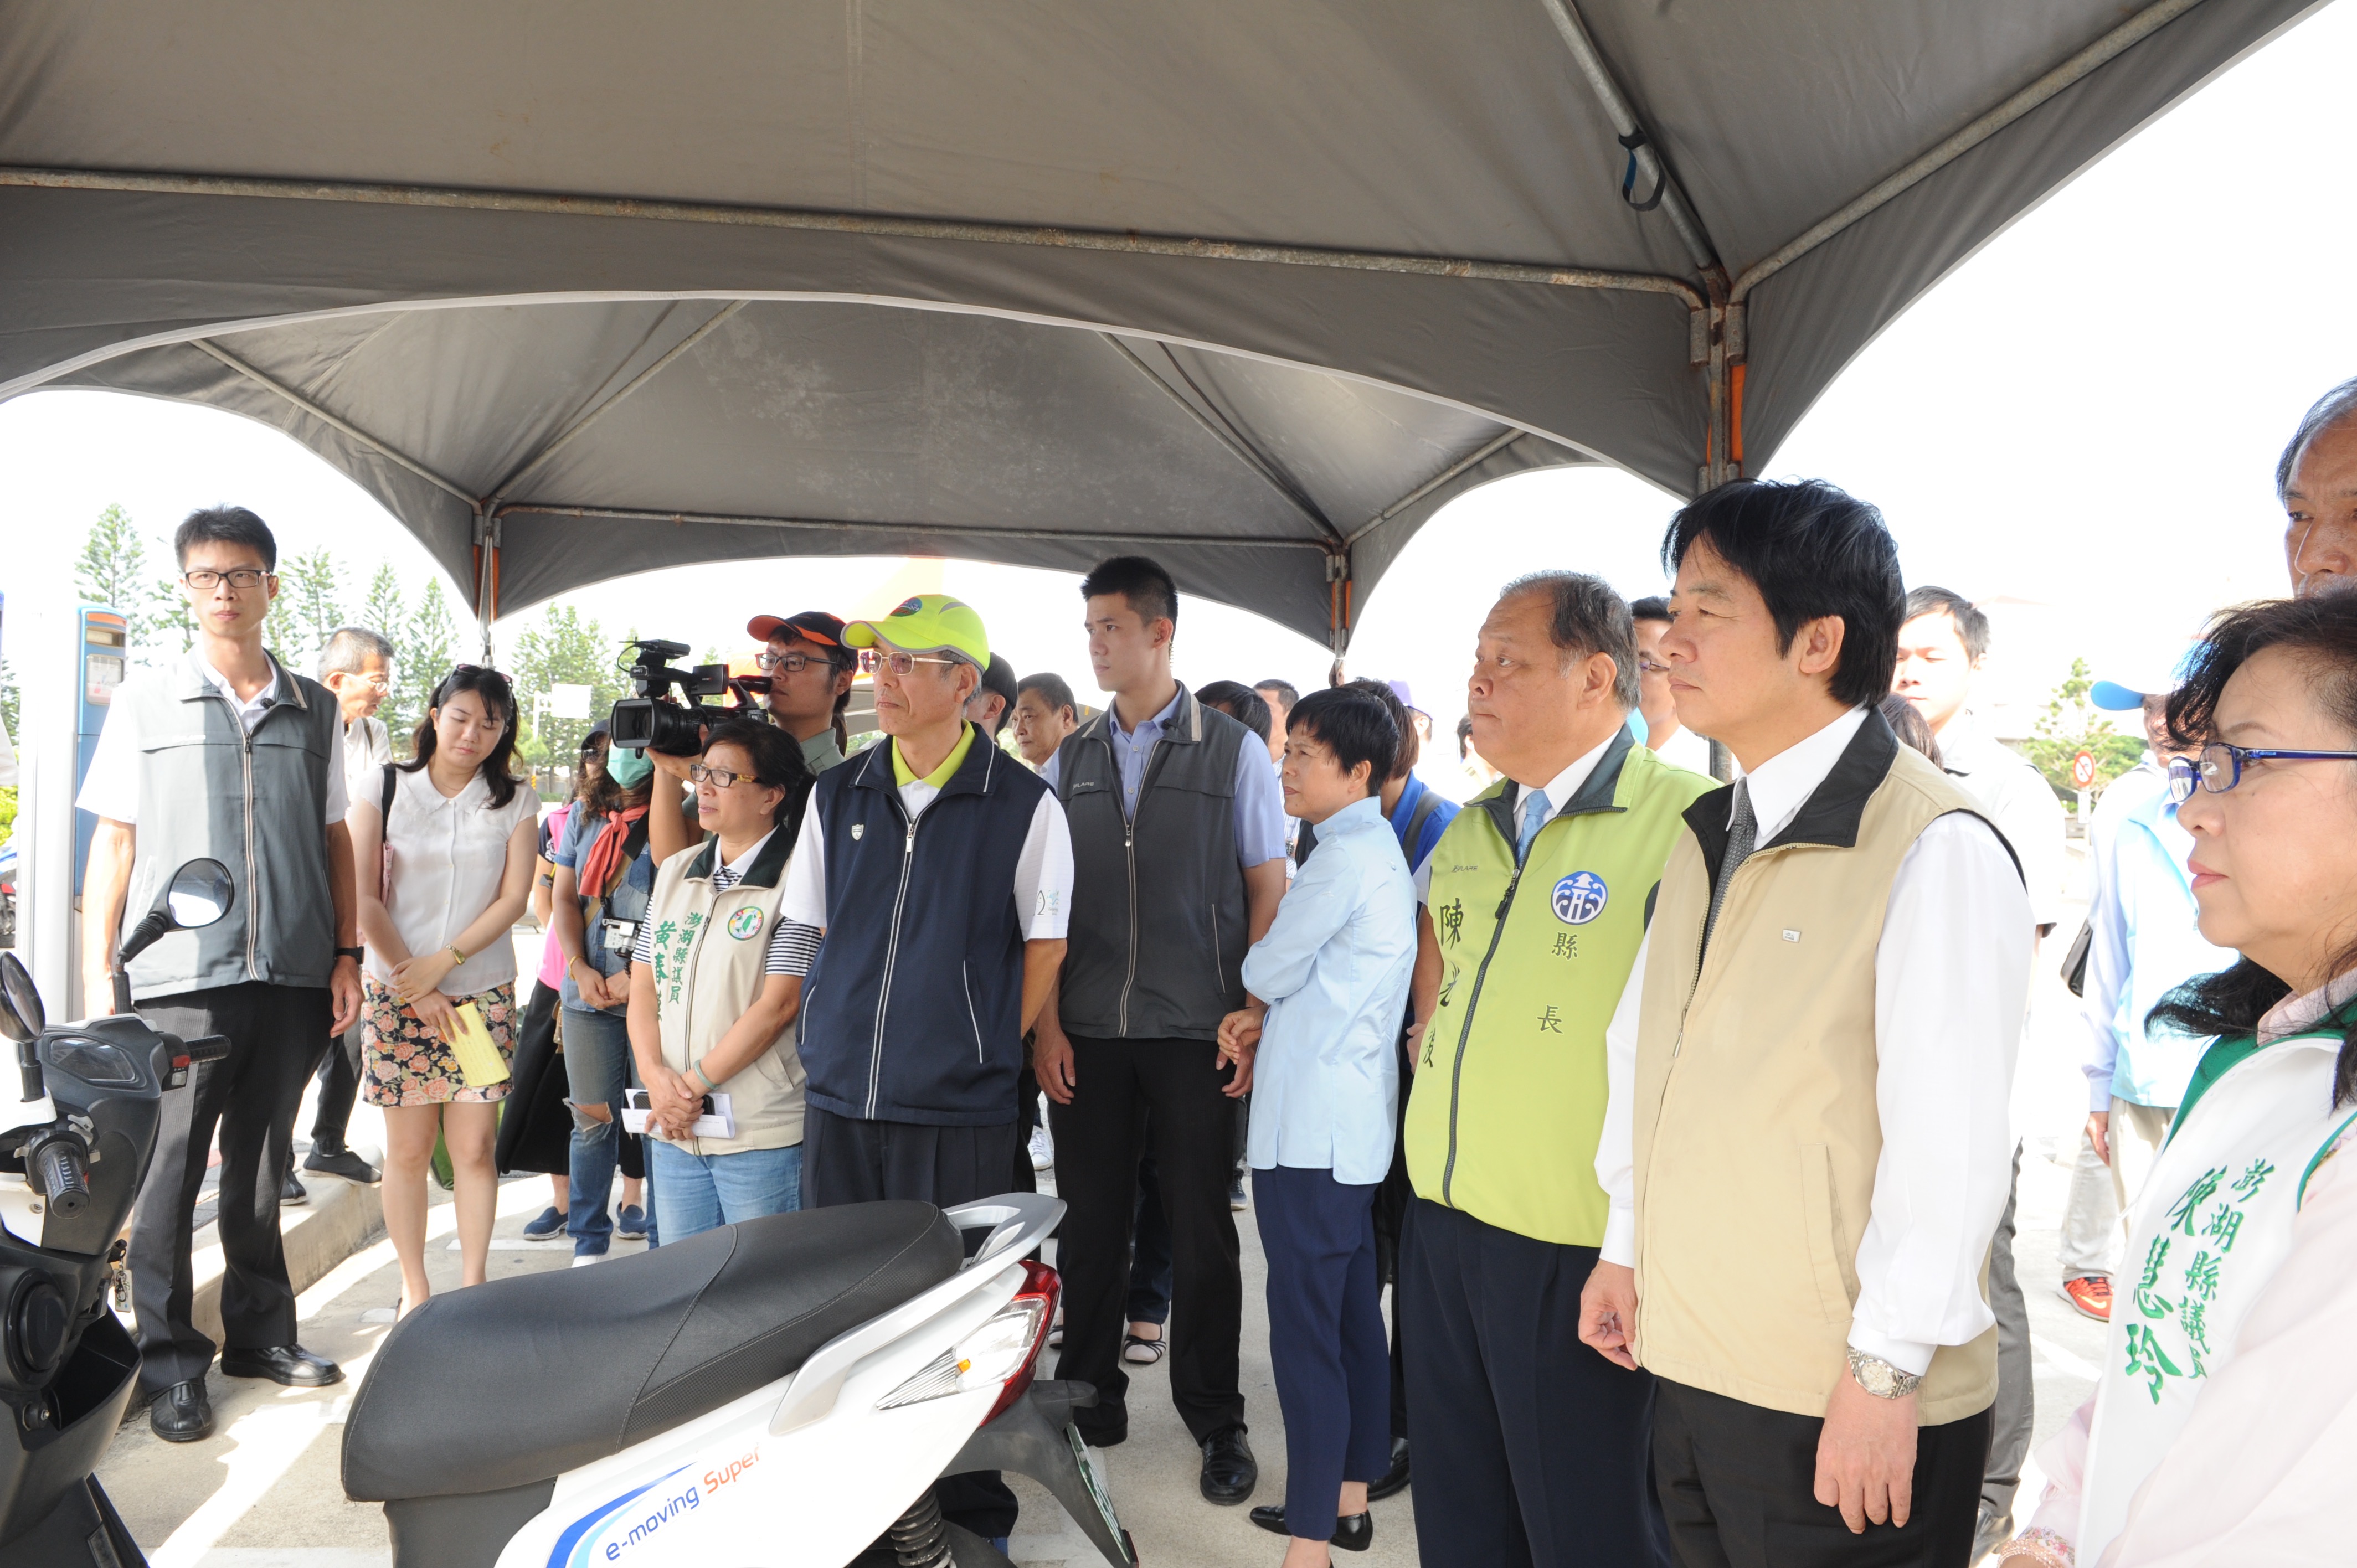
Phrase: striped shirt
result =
(791, 947)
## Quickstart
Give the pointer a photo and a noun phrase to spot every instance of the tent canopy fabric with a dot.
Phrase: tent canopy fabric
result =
(1255, 285)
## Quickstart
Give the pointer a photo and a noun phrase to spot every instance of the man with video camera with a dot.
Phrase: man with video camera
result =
(810, 673)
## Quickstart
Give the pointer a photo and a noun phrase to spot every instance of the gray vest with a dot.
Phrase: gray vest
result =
(256, 803)
(1156, 947)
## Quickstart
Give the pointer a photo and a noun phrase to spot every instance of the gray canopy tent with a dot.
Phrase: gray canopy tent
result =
(1254, 284)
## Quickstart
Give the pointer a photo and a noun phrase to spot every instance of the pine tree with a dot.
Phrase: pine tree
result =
(426, 649)
(113, 569)
(314, 584)
(383, 613)
(169, 627)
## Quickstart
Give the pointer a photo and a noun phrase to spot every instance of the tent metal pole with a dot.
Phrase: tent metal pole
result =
(947, 531)
(25, 177)
(1233, 448)
(1434, 483)
(391, 454)
(487, 575)
(565, 436)
(1568, 21)
(2137, 28)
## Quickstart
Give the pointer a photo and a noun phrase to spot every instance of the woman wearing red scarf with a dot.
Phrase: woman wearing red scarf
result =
(605, 872)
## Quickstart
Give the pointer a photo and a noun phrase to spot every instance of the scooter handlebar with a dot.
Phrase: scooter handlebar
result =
(62, 1173)
(207, 1048)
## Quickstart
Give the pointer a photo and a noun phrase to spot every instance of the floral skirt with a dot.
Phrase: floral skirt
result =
(404, 1062)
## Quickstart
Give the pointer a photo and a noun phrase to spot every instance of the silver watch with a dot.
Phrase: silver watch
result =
(1879, 1378)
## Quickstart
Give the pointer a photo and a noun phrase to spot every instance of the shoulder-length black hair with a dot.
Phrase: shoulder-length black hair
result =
(499, 697)
(2322, 633)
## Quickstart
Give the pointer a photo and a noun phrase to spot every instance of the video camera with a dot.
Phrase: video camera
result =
(647, 721)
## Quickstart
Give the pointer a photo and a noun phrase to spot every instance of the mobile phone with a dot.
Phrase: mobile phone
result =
(636, 1100)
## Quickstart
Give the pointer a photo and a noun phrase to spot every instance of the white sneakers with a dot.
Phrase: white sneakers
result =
(1043, 1147)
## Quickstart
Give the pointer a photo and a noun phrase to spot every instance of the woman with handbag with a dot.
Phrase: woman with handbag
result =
(451, 838)
(715, 982)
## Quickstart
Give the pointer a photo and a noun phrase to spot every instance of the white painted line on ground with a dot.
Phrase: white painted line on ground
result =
(295, 1557)
(269, 1439)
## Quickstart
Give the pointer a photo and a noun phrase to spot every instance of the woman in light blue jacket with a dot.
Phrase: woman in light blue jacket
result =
(1320, 1056)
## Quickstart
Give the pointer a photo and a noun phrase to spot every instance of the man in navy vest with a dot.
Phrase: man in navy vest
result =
(1178, 840)
(940, 873)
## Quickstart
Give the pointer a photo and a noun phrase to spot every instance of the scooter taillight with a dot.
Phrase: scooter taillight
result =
(1041, 1285)
(1001, 1353)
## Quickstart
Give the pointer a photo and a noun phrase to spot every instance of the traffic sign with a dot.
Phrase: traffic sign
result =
(2082, 770)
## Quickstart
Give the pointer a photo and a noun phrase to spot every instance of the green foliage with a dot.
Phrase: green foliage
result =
(311, 587)
(7, 812)
(425, 649)
(10, 696)
(2071, 725)
(113, 567)
(383, 612)
(564, 650)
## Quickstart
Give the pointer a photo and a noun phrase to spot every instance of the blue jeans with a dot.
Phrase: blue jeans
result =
(597, 1072)
(696, 1193)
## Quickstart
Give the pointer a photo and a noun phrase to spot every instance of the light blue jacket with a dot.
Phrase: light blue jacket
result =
(1334, 970)
(2144, 943)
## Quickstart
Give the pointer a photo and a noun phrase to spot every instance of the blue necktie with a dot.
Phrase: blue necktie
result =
(1534, 811)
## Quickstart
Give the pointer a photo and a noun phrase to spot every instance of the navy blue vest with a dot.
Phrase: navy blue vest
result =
(913, 1009)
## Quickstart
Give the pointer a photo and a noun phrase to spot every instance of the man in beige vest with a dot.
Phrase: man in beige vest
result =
(1806, 1145)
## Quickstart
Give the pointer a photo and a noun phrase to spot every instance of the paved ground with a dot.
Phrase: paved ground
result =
(264, 1492)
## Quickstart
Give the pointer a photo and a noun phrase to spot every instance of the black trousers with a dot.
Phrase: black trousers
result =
(1739, 1486)
(1530, 1447)
(846, 1160)
(1125, 1093)
(276, 1033)
(340, 1086)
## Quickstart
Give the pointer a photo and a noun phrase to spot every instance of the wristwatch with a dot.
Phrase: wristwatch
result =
(1879, 1378)
(356, 955)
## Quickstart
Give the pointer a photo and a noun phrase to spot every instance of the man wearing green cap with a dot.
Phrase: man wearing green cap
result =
(940, 873)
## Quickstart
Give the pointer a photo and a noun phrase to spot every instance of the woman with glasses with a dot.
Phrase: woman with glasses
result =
(2223, 1424)
(715, 982)
(445, 848)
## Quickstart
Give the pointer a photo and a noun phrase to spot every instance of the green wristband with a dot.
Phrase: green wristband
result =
(709, 1086)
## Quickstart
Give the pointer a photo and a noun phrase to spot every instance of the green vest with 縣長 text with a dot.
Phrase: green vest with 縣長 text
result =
(1509, 1083)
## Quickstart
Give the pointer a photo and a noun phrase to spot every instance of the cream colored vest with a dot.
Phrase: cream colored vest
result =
(1755, 1133)
(709, 950)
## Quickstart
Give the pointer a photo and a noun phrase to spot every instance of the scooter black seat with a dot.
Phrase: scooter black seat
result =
(523, 1379)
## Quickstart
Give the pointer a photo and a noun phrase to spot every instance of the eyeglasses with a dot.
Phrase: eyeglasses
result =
(897, 662)
(2218, 767)
(718, 777)
(791, 663)
(240, 578)
(1649, 665)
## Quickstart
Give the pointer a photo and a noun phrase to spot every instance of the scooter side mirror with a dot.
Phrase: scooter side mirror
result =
(200, 893)
(22, 1017)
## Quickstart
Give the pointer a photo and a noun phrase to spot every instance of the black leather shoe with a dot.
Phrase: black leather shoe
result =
(1352, 1531)
(1395, 1480)
(182, 1413)
(1230, 1471)
(289, 1364)
(339, 1161)
(292, 1191)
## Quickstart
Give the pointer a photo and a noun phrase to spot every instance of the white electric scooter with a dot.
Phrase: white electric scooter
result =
(783, 1392)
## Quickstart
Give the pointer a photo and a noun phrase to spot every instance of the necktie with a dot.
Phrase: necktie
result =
(1534, 811)
(1743, 829)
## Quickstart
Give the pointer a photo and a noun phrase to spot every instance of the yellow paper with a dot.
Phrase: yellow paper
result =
(480, 1062)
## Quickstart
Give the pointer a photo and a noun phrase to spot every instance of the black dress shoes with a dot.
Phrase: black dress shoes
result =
(1230, 1471)
(289, 1364)
(182, 1413)
(1395, 1480)
(1352, 1531)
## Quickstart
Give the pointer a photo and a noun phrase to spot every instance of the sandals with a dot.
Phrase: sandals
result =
(1143, 1352)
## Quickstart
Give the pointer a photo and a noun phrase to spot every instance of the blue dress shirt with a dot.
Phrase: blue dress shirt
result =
(1334, 970)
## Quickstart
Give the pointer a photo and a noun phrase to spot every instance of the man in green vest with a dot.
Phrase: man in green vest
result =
(1529, 1451)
